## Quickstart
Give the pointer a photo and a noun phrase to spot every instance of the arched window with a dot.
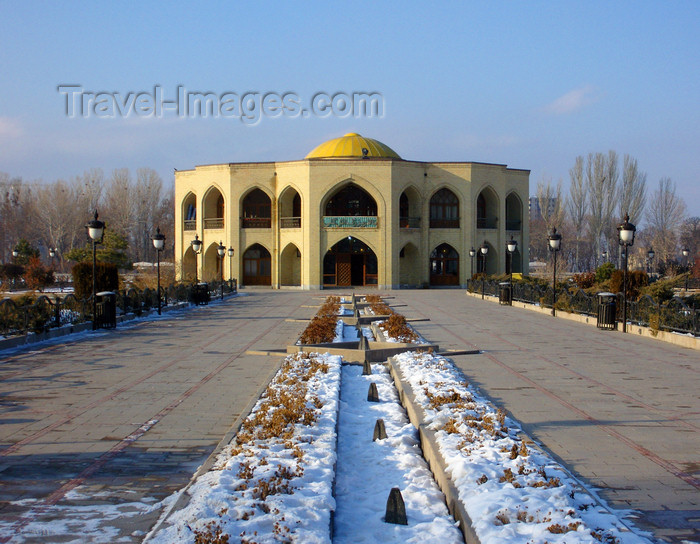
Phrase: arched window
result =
(444, 210)
(351, 200)
(257, 210)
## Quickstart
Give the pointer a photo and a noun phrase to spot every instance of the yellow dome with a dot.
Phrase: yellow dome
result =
(351, 145)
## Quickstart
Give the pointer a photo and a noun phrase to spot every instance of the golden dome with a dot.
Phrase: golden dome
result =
(351, 146)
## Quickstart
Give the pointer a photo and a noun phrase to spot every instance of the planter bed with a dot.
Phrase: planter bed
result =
(498, 484)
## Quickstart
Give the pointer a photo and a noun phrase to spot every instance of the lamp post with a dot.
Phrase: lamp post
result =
(605, 256)
(221, 250)
(484, 251)
(625, 233)
(158, 243)
(197, 248)
(554, 247)
(95, 230)
(651, 255)
(472, 252)
(230, 267)
(686, 252)
(511, 246)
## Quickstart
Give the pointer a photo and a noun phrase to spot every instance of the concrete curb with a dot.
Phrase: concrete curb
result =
(682, 340)
(431, 453)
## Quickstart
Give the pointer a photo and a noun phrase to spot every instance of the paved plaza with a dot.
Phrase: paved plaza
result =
(126, 417)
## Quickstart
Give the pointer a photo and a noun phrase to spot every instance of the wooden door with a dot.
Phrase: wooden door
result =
(343, 269)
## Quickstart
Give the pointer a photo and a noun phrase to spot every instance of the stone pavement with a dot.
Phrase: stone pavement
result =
(620, 411)
(123, 418)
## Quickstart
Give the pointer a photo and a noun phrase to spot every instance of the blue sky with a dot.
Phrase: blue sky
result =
(528, 84)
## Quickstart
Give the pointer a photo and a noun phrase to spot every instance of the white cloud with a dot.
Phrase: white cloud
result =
(572, 101)
(9, 128)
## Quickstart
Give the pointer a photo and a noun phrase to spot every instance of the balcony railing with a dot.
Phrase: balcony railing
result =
(214, 223)
(190, 224)
(486, 222)
(290, 222)
(350, 221)
(444, 223)
(409, 222)
(256, 222)
(513, 225)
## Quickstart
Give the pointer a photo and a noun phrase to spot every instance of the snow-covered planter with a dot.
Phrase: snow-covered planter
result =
(511, 490)
(274, 482)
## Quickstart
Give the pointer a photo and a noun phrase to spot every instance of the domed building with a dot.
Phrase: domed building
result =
(351, 213)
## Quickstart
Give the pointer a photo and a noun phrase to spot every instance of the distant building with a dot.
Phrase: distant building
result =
(351, 213)
(536, 211)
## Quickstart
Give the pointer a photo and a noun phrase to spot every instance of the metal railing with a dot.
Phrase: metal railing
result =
(486, 222)
(409, 222)
(290, 222)
(190, 224)
(27, 314)
(213, 222)
(672, 316)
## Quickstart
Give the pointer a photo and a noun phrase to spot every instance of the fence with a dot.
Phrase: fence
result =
(674, 315)
(45, 313)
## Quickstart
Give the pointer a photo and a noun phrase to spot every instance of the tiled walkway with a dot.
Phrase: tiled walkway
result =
(125, 417)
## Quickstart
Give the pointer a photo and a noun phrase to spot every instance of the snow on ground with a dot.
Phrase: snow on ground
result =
(512, 492)
(274, 483)
(367, 470)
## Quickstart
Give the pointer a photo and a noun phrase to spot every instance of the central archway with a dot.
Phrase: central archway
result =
(350, 262)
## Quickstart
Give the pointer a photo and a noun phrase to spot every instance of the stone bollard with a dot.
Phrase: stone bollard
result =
(373, 394)
(395, 508)
(366, 368)
(379, 430)
(364, 344)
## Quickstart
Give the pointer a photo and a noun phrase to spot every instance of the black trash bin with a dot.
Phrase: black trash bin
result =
(106, 310)
(201, 294)
(607, 306)
(505, 293)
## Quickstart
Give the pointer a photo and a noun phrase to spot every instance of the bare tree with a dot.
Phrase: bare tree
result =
(146, 201)
(633, 197)
(577, 206)
(665, 215)
(118, 198)
(601, 183)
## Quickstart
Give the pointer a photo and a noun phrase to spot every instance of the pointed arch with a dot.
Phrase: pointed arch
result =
(444, 265)
(487, 209)
(491, 260)
(290, 265)
(256, 209)
(289, 205)
(350, 262)
(409, 208)
(213, 208)
(257, 266)
(444, 209)
(189, 265)
(514, 212)
(409, 266)
(189, 211)
(350, 200)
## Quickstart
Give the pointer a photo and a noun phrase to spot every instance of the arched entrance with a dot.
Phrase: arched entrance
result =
(290, 266)
(257, 266)
(444, 266)
(350, 262)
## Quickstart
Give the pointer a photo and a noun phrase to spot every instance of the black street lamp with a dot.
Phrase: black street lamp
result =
(511, 246)
(651, 255)
(221, 250)
(159, 244)
(96, 229)
(230, 252)
(625, 232)
(197, 248)
(484, 251)
(605, 256)
(554, 247)
(686, 252)
(472, 252)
